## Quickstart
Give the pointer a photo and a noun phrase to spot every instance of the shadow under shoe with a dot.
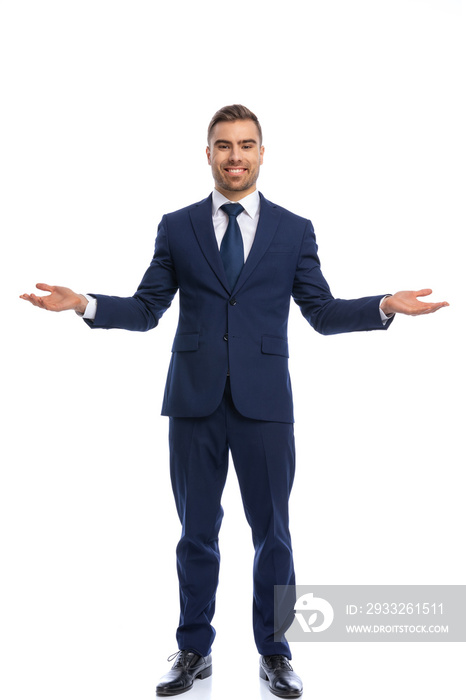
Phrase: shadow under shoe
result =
(187, 667)
(283, 681)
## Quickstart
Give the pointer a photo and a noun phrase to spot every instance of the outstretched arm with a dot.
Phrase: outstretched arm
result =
(59, 299)
(408, 303)
(141, 312)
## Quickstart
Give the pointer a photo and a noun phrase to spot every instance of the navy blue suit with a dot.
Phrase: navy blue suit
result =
(240, 333)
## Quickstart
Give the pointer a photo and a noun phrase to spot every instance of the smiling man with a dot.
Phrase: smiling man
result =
(235, 156)
(236, 260)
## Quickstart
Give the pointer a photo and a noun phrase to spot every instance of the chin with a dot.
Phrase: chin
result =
(239, 187)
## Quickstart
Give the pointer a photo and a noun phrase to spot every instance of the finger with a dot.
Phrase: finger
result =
(37, 301)
(44, 287)
(439, 305)
(423, 292)
(433, 305)
(26, 297)
(430, 308)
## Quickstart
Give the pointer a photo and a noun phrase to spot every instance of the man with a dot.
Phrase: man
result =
(237, 259)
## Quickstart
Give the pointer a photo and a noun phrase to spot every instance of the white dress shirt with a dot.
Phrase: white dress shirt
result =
(247, 221)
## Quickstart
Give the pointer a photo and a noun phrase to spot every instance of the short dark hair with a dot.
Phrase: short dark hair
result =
(233, 113)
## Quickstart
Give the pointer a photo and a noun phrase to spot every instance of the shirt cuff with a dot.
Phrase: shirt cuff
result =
(91, 308)
(383, 316)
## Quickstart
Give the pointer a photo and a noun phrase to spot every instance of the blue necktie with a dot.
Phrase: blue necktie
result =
(231, 248)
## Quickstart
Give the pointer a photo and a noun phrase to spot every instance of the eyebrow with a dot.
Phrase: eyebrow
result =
(229, 142)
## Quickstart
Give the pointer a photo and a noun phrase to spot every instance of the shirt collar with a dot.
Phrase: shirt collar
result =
(251, 203)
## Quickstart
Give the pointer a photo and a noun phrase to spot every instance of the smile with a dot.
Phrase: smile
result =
(235, 171)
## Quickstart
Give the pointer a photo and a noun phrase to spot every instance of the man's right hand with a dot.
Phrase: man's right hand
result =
(59, 299)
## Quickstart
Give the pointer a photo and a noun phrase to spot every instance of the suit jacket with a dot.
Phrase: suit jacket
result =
(241, 330)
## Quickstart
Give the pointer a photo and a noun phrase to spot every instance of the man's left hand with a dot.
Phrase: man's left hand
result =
(408, 303)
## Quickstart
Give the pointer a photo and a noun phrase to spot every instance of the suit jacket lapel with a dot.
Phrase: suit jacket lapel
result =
(266, 228)
(201, 219)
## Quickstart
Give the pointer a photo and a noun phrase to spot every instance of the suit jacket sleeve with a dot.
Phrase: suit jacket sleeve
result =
(143, 310)
(326, 314)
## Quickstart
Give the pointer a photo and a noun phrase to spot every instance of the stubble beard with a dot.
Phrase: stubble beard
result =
(229, 186)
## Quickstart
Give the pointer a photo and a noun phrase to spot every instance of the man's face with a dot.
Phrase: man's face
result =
(235, 155)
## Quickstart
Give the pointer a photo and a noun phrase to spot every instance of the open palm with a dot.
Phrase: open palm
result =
(59, 299)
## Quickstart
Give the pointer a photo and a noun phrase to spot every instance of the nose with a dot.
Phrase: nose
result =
(235, 154)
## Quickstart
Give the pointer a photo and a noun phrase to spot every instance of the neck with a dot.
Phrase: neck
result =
(233, 195)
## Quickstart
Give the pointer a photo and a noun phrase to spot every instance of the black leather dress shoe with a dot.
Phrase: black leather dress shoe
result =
(283, 681)
(187, 667)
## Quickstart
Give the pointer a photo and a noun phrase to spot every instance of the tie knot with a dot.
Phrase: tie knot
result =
(232, 209)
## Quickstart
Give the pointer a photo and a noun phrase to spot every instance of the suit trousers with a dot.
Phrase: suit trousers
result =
(263, 454)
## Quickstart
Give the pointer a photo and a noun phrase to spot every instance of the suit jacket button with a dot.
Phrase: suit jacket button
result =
(233, 302)
(225, 337)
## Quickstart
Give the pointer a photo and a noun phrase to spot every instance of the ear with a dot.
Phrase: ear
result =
(207, 150)
(261, 151)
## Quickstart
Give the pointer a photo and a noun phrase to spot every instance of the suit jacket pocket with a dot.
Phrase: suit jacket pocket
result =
(186, 342)
(280, 249)
(272, 345)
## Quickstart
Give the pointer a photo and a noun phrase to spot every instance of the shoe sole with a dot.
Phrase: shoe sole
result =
(205, 673)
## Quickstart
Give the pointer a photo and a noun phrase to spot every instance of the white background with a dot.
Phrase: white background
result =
(104, 111)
